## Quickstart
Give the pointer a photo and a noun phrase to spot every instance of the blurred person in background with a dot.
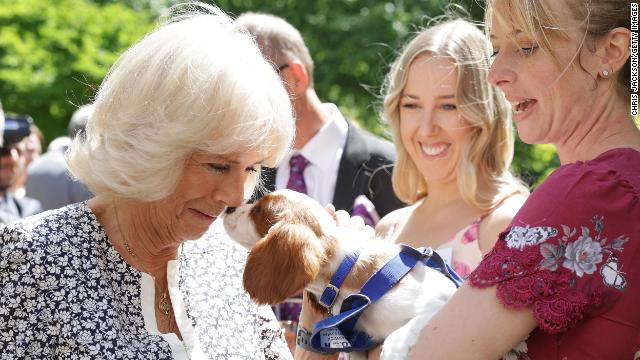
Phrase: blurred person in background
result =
(32, 150)
(49, 180)
(340, 161)
(12, 164)
(61, 142)
(5, 218)
(33, 144)
(1, 124)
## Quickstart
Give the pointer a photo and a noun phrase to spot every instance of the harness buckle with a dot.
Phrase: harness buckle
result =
(329, 296)
(422, 253)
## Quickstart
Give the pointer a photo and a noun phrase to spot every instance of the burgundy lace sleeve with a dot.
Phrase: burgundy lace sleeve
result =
(565, 252)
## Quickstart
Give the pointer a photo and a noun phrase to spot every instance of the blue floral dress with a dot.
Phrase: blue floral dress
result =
(67, 294)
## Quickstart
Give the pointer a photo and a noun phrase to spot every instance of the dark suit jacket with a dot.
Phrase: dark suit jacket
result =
(365, 168)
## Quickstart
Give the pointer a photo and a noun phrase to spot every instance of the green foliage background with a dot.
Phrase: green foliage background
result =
(54, 53)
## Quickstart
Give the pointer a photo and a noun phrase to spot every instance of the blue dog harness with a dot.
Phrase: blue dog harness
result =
(337, 333)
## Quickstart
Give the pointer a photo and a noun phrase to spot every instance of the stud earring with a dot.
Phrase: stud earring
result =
(605, 73)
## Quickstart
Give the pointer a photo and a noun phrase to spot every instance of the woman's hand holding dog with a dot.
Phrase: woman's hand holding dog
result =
(343, 219)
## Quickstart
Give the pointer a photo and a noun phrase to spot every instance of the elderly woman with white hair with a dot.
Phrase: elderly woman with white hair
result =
(182, 125)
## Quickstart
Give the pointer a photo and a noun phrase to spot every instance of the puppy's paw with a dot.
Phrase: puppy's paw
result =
(395, 346)
(398, 344)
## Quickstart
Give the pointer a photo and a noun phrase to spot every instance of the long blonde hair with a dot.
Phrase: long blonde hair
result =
(483, 175)
(536, 19)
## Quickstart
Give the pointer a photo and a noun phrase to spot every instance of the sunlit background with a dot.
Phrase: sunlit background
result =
(54, 53)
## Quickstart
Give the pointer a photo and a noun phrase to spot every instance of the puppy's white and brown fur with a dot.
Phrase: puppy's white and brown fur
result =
(295, 245)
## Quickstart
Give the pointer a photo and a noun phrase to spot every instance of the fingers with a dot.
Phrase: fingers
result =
(357, 223)
(371, 232)
(332, 211)
(343, 218)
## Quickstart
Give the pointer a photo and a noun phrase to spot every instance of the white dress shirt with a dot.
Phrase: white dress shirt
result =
(323, 152)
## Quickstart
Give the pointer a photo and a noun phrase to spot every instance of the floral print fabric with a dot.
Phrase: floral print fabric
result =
(228, 323)
(569, 256)
(67, 294)
(464, 249)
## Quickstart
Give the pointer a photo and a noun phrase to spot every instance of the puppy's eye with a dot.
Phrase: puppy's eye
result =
(256, 209)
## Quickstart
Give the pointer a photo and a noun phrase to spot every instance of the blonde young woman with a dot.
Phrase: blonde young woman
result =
(454, 141)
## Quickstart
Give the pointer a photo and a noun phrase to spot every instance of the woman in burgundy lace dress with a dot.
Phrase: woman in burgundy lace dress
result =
(562, 282)
(564, 274)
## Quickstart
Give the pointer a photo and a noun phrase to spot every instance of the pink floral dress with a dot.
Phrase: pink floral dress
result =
(572, 255)
(462, 252)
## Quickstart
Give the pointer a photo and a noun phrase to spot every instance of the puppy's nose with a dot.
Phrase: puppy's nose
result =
(229, 210)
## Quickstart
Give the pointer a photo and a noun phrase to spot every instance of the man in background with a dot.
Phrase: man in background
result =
(49, 179)
(32, 151)
(333, 160)
(12, 162)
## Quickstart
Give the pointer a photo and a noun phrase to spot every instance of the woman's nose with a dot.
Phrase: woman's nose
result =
(500, 73)
(231, 192)
(428, 124)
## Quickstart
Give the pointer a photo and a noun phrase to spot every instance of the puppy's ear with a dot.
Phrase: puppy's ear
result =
(280, 265)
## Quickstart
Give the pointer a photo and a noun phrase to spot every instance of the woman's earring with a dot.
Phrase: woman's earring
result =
(605, 73)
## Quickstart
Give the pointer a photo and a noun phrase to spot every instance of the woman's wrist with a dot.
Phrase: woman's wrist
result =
(308, 317)
(305, 325)
(303, 338)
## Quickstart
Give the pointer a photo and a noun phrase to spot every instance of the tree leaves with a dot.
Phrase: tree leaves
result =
(54, 54)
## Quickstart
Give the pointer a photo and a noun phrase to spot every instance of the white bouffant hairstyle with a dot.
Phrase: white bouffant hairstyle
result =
(194, 84)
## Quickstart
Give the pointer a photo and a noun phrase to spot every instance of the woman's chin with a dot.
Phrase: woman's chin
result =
(528, 136)
(195, 232)
(193, 235)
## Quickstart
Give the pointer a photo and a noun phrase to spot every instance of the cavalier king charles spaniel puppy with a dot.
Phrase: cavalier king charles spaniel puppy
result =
(295, 245)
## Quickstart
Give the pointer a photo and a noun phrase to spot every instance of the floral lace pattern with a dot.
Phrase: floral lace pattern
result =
(230, 325)
(528, 270)
(67, 293)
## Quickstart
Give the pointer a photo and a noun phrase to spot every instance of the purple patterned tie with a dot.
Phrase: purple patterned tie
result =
(297, 164)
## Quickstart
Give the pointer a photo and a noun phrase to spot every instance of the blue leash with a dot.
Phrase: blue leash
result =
(337, 333)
